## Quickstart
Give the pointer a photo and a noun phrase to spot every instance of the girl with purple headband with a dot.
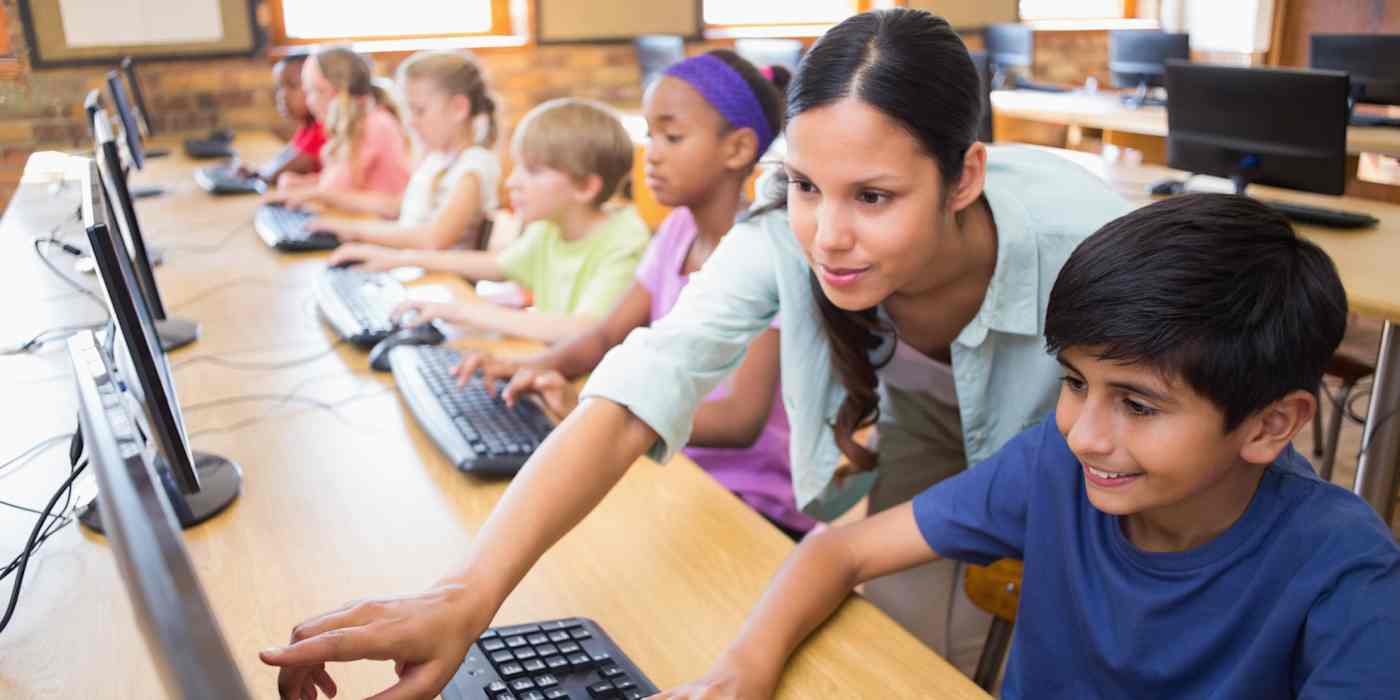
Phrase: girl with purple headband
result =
(911, 265)
(711, 117)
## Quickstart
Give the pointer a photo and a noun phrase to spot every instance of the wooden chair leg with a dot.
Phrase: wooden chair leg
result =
(989, 663)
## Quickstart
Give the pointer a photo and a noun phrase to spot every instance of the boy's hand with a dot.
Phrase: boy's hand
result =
(493, 369)
(728, 679)
(557, 393)
(426, 636)
(373, 258)
(415, 312)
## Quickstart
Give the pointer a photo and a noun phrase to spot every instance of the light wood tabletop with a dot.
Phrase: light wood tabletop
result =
(348, 497)
(1106, 111)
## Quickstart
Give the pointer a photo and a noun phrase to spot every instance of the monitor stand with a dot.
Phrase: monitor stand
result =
(219, 484)
(157, 152)
(144, 191)
(176, 332)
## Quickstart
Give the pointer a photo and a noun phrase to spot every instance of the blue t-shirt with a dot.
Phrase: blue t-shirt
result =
(1299, 598)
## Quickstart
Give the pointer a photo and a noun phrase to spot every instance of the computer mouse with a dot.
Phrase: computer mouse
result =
(421, 334)
(1165, 188)
(222, 135)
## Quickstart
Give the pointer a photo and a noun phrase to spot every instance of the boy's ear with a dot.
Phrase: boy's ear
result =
(971, 180)
(739, 149)
(586, 188)
(1273, 427)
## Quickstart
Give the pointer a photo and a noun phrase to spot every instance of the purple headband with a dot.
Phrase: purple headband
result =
(728, 93)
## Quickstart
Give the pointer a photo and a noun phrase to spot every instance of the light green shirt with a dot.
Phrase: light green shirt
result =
(1043, 206)
(584, 277)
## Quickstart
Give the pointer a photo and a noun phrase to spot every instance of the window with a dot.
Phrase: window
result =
(749, 12)
(1073, 9)
(307, 21)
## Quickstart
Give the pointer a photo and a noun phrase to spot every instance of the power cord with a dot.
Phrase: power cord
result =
(72, 250)
(266, 366)
(45, 527)
(42, 338)
(215, 289)
(207, 248)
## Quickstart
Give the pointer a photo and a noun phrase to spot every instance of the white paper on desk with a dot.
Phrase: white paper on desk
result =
(124, 22)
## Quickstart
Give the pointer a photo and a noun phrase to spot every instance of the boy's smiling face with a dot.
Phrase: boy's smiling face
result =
(1154, 450)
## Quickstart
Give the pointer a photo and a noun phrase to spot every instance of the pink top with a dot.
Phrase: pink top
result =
(759, 474)
(381, 159)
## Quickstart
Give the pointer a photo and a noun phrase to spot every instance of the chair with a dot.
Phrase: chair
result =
(1354, 360)
(656, 53)
(995, 589)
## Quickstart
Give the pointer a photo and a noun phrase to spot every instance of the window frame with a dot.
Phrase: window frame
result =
(1127, 9)
(780, 30)
(504, 25)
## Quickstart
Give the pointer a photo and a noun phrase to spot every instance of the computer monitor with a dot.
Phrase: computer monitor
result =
(656, 53)
(172, 332)
(130, 130)
(181, 632)
(1138, 57)
(1373, 60)
(1008, 46)
(770, 52)
(198, 485)
(91, 104)
(143, 113)
(1271, 126)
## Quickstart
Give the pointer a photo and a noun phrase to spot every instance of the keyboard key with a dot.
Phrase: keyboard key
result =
(547, 650)
(514, 629)
(560, 636)
(537, 639)
(623, 683)
(610, 672)
(580, 661)
(555, 694)
(491, 645)
(601, 689)
(532, 695)
(521, 685)
(516, 642)
(557, 663)
(546, 681)
(501, 657)
(554, 625)
(633, 695)
(496, 687)
(533, 666)
(580, 633)
(525, 653)
(511, 670)
(569, 648)
(602, 658)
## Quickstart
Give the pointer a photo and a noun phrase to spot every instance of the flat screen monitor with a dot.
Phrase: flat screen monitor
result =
(130, 130)
(200, 485)
(1008, 45)
(656, 53)
(121, 210)
(1271, 126)
(1372, 60)
(1139, 56)
(180, 629)
(138, 96)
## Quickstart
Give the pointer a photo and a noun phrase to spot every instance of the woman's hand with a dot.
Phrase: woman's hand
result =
(374, 258)
(426, 636)
(729, 679)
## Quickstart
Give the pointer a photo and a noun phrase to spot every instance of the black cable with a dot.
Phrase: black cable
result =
(34, 540)
(82, 289)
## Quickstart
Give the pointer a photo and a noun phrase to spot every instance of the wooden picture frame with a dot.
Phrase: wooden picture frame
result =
(48, 44)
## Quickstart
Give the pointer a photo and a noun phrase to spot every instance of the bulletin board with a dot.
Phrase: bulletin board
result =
(579, 21)
(84, 32)
(971, 14)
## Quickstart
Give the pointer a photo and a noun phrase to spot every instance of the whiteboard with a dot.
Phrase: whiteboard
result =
(89, 23)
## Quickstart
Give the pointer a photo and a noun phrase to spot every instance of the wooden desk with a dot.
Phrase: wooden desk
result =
(1108, 113)
(1365, 260)
(337, 507)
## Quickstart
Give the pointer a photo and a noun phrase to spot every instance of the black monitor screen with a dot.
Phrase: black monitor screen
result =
(1139, 57)
(1266, 125)
(153, 384)
(143, 112)
(1373, 60)
(180, 629)
(118, 196)
(129, 128)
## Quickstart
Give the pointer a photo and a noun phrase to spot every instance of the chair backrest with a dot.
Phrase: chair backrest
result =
(996, 589)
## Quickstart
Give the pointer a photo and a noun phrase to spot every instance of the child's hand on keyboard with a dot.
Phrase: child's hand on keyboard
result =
(493, 369)
(368, 257)
(342, 229)
(293, 197)
(416, 311)
(557, 394)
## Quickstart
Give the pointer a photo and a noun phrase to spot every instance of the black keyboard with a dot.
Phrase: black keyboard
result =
(478, 433)
(1374, 120)
(357, 304)
(222, 179)
(570, 658)
(1331, 218)
(285, 229)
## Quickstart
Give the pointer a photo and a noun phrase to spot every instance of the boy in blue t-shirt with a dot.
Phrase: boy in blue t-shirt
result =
(1175, 544)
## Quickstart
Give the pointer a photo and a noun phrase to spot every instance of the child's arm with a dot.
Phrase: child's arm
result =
(813, 582)
(460, 216)
(381, 204)
(474, 265)
(737, 420)
(536, 325)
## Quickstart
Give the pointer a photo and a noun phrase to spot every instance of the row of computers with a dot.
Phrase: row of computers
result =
(151, 483)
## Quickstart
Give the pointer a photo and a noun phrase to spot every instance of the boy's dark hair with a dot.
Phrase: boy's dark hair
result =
(1216, 289)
